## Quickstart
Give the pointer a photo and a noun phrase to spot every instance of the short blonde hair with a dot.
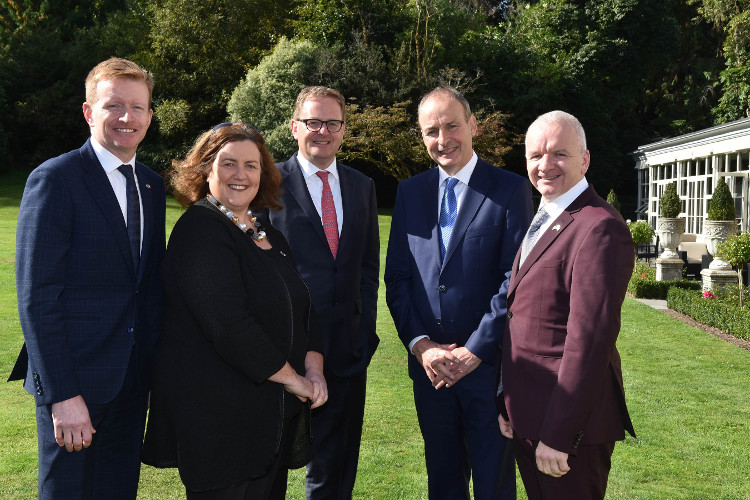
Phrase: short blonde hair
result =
(115, 68)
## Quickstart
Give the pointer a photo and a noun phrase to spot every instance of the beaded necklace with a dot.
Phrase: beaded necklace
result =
(260, 235)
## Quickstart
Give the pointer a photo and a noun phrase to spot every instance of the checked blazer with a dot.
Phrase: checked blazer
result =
(83, 308)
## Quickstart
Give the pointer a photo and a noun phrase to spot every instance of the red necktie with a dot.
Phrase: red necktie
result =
(330, 222)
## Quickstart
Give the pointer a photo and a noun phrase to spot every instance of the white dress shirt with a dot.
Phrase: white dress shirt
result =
(110, 163)
(315, 186)
(557, 206)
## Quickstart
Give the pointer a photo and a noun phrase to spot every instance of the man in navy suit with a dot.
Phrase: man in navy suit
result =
(90, 237)
(454, 233)
(330, 220)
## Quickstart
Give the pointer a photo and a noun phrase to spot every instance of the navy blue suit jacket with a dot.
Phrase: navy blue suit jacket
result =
(344, 291)
(82, 306)
(451, 301)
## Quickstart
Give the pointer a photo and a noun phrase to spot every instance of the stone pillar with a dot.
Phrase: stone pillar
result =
(714, 279)
(669, 269)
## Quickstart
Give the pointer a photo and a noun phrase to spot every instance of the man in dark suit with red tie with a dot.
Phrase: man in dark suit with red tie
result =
(561, 370)
(330, 220)
(90, 237)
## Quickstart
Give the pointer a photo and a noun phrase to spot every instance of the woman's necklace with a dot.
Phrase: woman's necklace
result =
(260, 235)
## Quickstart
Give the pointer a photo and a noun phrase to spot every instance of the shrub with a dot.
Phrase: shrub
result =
(669, 203)
(650, 289)
(612, 200)
(641, 231)
(719, 313)
(721, 205)
(643, 284)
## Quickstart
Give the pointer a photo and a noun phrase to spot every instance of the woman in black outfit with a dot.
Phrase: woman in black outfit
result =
(238, 367)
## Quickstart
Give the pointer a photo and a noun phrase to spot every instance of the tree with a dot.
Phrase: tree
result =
(266, 96)
(732, 18)
(736, 250)
(641, 232)
(46, 51)
(387, 138)
(199, 51)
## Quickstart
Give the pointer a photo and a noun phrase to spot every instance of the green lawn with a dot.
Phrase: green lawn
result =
(688, 394)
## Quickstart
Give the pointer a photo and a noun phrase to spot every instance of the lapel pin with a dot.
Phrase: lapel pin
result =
(556, 227)
(148, 186)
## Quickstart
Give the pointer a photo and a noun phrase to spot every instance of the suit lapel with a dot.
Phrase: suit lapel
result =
(295, 185)
(103, 195)
(472, 200)
(552, 233)
(428, 206)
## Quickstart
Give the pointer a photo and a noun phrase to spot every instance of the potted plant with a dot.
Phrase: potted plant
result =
(736, 251)
(720, 223)
(669, 226)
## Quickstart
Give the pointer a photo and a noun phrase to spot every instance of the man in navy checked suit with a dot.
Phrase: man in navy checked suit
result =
(89, 295)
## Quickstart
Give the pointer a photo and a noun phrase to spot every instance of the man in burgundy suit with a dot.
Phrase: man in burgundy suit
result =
(561, 370)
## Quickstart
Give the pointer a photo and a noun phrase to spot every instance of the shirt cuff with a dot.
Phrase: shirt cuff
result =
(415, 340)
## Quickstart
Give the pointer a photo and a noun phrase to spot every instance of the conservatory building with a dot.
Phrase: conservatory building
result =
(696, 161)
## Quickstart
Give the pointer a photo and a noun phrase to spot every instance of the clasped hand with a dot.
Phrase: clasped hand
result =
(444, 364)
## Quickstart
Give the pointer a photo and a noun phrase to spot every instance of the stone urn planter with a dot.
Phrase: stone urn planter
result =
(670, 231)
(714, 232)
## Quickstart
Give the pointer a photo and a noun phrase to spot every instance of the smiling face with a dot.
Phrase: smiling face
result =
(446, 132)
(319, 147)
(120, 116)
(555, 159)
(235, 176)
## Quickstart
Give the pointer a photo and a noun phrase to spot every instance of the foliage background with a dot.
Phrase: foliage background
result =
(633, 71)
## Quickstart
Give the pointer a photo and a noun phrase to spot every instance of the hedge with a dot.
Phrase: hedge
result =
(725, 316)
(645, 288)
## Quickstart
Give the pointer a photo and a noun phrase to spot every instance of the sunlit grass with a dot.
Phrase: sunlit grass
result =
(688, 394)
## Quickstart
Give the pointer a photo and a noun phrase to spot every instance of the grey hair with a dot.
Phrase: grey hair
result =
(558, 117)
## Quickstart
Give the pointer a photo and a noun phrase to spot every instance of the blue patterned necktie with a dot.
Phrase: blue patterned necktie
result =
(533, 234)
(134, 213)
(448, 212)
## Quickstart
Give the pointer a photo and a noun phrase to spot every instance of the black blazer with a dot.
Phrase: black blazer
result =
(344, 291)
(228, 327)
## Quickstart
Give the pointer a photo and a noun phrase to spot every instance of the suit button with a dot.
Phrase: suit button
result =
(510, 314)
(439, 322)
(577, 440)
(442, 288)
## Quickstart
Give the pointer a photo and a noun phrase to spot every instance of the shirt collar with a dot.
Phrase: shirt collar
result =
(557, 206)
(463, 175)
(308, 169)
(108, 160)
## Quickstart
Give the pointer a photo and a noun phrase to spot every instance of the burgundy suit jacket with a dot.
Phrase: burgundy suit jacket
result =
(561, 370)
